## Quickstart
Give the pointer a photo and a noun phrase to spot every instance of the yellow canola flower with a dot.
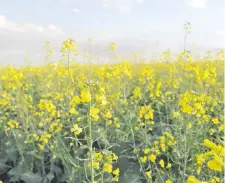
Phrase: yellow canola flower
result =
(215, 180)
(218, 149)
(148, 174)
(161, 162)
(98, 156)
(116, 172)
(146, 112)
(94, 164)
(216, 163)
(107, 115)
(94, 113)
(143, 159)
(85, 97)
(168, 181)
(73, 111)
(152, 158)
(101, 99)
(114, 157)
(76, 100)
(193, 179)
(76, 129)
(137, 92)
(215, 121)
(107, 167)
(146, 151)
(168, 165)
(41, 147)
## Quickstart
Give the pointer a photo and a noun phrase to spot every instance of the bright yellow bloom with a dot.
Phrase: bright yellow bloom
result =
(76, 129)
(148, 174)
(152, 158)
(146, 112)
(193, 179)
(149, 115)
(45, 141)
(163, 147)
(41, 147)
(215, 180)
(143, 159)
(116, 172)
(146, 151)
(215, 121)
(109, 158)
(75, 101)
(168, 181)
(218, 149)
(168, 165)
(114, 157)
(73, 111)
(107, 167)
(85, 96)
(161, 162)
(94, 113)
(216, 164)
(98, 156)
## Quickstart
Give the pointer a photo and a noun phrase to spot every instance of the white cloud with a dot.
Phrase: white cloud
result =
(105, 5)
(197, 3)
(18, 38)
(125, 9)
(140, 1)
(221, 32)
(124, 6)
(76, 10)
(10, 26)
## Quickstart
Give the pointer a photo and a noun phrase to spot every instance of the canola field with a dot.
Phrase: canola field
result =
(125, 122)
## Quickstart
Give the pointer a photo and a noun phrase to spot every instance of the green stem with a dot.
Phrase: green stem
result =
(90, 145)
(142, 169)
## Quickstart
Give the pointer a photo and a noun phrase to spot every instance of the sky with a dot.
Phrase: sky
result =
(146, 26)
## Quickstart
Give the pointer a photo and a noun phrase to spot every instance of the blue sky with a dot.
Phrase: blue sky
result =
(136, 22)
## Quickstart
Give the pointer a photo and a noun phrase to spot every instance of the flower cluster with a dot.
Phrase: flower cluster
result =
(105, 161)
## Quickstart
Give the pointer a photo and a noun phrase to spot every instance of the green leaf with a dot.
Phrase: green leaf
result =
(19, 169)
(50, 176)
(3, 158)
(14, 178)
(4, 168)
(30, 91)
(130, 177)
(12, 154)
(30, 177)
(57, 170)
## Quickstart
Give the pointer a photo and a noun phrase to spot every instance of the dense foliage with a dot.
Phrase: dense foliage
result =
(125, 122)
